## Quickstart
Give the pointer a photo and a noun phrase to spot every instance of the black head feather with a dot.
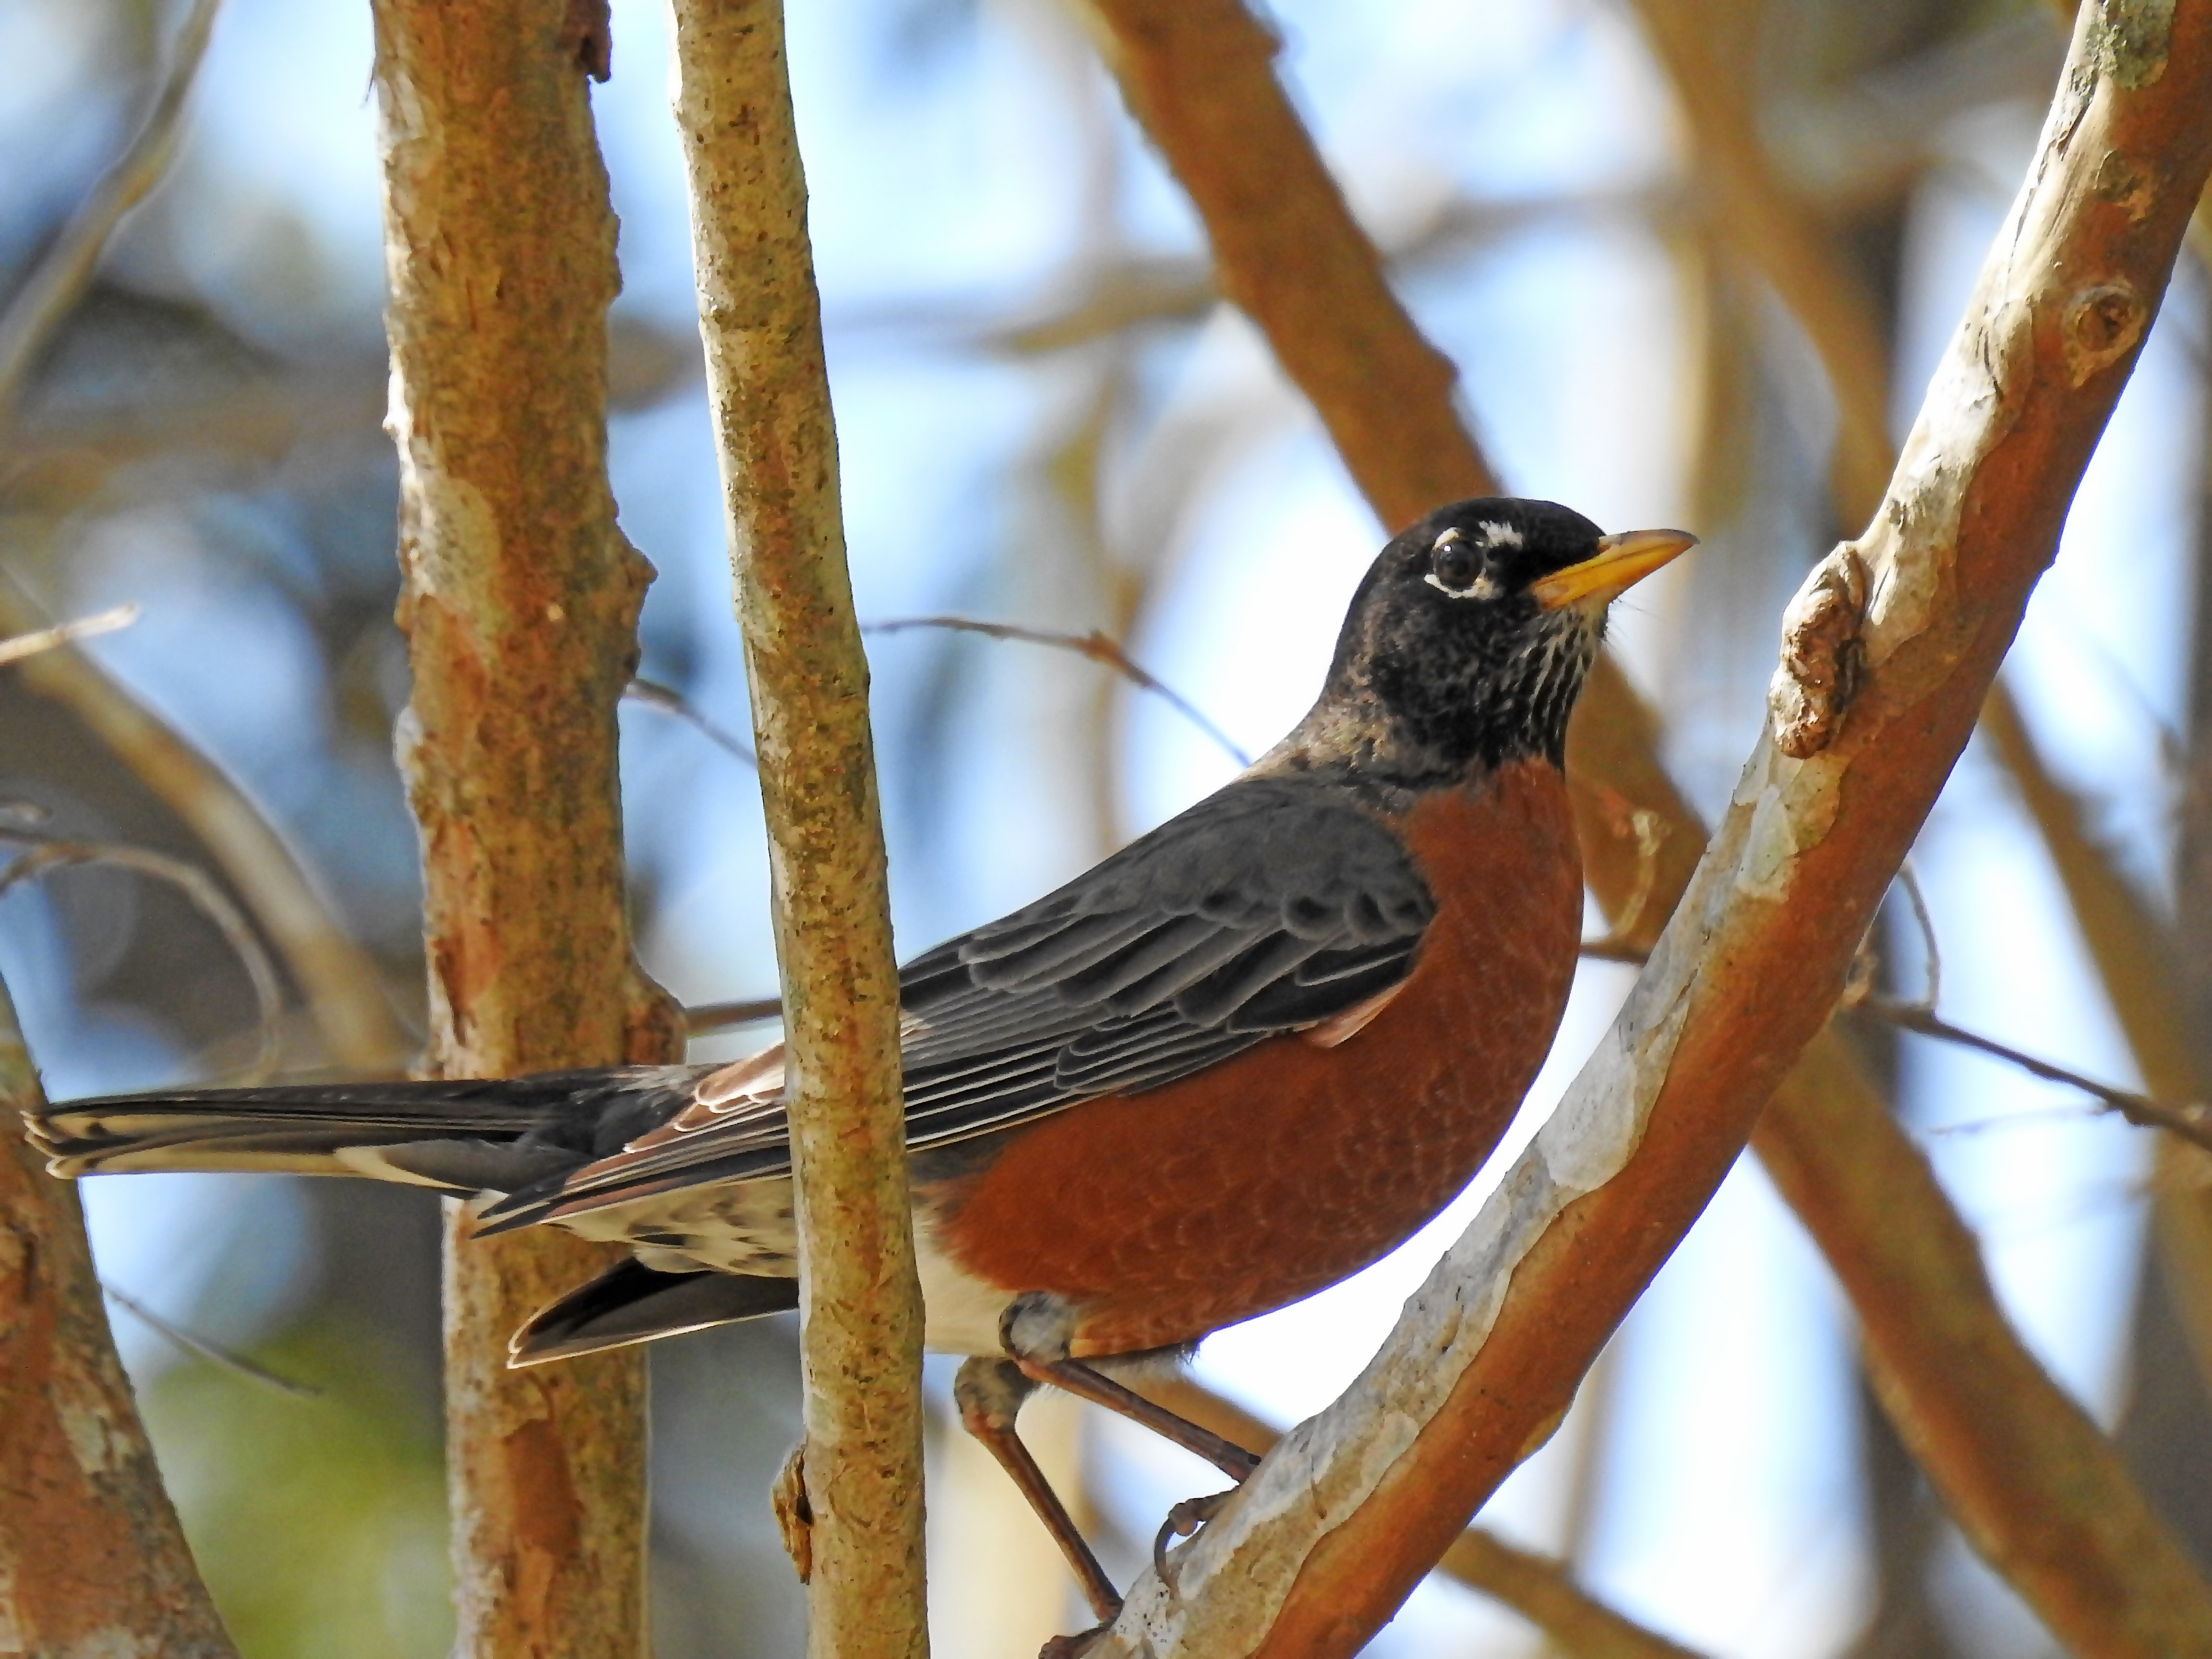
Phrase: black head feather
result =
(1447, 659)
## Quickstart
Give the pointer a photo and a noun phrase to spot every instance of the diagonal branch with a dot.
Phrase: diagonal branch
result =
(2191, 1119)
(49, 639)
(768, 386)
(1094, 645)
(1538, 1588)
(1326, 1539)
(58, 280)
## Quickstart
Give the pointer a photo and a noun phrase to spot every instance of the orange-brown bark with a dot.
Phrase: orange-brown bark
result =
(860, 1302)
(92, 1559)
(519, 598)
(1748, 971)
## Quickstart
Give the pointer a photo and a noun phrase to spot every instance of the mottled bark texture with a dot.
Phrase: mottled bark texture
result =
(1329, 1535)
(861, 1309)
(520, 599)
(92, 1559)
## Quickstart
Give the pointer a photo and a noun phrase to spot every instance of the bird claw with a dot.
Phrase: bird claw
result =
(1184, 1519)
(1074, 1647)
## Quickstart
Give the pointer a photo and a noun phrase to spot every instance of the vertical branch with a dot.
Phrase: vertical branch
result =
(92, 1559)
(519, 598)
(860, 1306)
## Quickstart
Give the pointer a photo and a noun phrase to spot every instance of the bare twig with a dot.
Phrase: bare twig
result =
(92, 1559)
(222, 1358)
(1094, 644)
(1622, 943)
(55, 852)
(722, 1015)
(1323, 1541)
(2191, 1119)
(768, 386)
(665, 699)
(1931, 952)
(520, 598)
(85, 627)
(55, 285)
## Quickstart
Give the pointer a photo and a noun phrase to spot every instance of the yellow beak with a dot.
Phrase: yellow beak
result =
(1620, 563)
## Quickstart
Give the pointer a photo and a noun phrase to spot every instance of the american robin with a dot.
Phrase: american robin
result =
(1243, 1057)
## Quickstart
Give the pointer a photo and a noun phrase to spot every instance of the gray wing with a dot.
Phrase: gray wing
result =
(1268, 908)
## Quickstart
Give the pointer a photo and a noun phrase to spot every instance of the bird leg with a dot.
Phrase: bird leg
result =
(989, 1393)
(1088, 1383)
(1038, 1330)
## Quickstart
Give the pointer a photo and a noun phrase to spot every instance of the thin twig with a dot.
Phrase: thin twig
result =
(665, 699)
(58, 282)
(1094, 644)
(215, 1353)
(722, 1015)
(1933, 953)
(1620, 944)
(2192, 1120)
(46, 639)
(199, 889)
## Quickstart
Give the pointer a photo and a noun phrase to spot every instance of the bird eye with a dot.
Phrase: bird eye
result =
(1457, 565)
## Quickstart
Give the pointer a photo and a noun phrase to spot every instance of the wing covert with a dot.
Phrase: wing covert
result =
(1269, 908)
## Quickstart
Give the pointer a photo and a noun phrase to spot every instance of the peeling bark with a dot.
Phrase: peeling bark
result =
(520, 598)
(1332, 1531)
(860, 1304)
(92, 1559)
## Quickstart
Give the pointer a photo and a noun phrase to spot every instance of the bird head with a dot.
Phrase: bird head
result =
(1470, 636)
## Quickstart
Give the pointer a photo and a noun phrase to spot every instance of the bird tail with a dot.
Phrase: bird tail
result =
(632, 1303)
(460, 1135)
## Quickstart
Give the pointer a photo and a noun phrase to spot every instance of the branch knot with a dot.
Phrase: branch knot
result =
(1823, 655)
(2101, 326)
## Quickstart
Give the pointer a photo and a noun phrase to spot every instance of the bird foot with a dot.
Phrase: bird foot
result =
(1074, 1647)
(1184, 1519)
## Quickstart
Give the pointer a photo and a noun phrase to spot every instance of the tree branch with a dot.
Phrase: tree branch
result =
(1329, 1534)
(2191, 1119)
(1286, 251)
(1538, 1588)
(40, 640)
(860, 1303)
(519, 598)
(1094, 645)
(92, 1559)
(58, 280)
(202, 893)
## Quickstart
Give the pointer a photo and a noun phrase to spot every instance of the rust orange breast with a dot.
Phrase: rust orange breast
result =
(1171, 1213)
